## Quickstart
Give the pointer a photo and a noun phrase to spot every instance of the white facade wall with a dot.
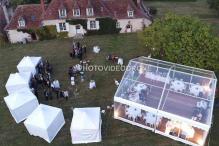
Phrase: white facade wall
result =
(15, 37)
(137, 24)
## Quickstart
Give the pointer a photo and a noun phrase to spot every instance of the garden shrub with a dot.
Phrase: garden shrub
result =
(47, 32)
(62, 35)
(83, 22)
(107, 26)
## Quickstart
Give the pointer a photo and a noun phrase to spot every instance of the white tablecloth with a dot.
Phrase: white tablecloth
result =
(202, 104)
(150, 118)
(96, 49)
(196, 89)
(133, 112)
(134, 96)
(177, 85)
(140, 87)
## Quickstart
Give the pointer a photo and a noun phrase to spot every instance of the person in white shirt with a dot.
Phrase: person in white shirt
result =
(92, 84)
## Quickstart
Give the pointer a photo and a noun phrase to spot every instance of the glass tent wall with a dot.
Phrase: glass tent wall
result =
(169, 99)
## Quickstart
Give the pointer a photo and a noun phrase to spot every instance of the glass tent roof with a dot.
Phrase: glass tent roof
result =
(176, 89)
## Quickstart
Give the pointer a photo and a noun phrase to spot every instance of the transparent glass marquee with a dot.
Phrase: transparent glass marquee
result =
(168, 89)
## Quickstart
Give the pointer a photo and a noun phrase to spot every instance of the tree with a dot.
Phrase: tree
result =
(15, 3)
(214, 4)
(182, 39)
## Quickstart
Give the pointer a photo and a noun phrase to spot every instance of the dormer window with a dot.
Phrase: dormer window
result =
(130, 13)
(90, 11)
(21, 22)
(62, 13)
(76, 12)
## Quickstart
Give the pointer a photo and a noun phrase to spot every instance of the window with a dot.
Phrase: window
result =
(117, 25)
(62, 26)
(93, 25)
(130, 13)
(62, 13)
(21, 22)
(76, 12)
(90, 11)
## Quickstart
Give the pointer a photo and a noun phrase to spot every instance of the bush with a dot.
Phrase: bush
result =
(107, 26)
(62, 35)
(46, 32)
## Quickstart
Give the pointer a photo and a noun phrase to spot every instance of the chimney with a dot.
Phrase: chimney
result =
(42, 3)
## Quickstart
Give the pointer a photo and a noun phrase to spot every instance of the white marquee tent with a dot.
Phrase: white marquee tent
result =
(17, 81)
(170, 99)
(28, 64)
(86, 125)
(21, 104)
(45, 121)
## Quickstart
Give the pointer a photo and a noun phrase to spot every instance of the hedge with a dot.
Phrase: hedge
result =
(46, 32)
(107, 26)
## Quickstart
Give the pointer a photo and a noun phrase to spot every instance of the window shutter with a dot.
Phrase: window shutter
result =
(88, 25)
(57, 27)
(97, 25)
(67, 26)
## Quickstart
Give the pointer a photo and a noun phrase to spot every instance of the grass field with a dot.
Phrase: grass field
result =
(199, 9)
(114, 132)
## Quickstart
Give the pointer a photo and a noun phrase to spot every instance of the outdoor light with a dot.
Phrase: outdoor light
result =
(207, 88)
(116, 114)
(200, 141)
(141, 70)
(188, 129)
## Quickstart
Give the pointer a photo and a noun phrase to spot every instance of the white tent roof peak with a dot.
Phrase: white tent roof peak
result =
(18, 98)
(28, 64)
(29, 61)
(40, 117)
(26, 61)
(15, 78)
(86, 118)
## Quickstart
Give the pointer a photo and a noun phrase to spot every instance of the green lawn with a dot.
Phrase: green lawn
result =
(199, 9)
(114, 132)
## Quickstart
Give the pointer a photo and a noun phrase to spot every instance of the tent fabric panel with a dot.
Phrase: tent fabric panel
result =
(22, 112)
(84, 133)
(37, 131)
(55, 126)
(85, 136)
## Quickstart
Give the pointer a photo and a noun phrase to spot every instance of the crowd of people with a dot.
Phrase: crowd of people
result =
(44, 79)
(78, 50)
(112, 58)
